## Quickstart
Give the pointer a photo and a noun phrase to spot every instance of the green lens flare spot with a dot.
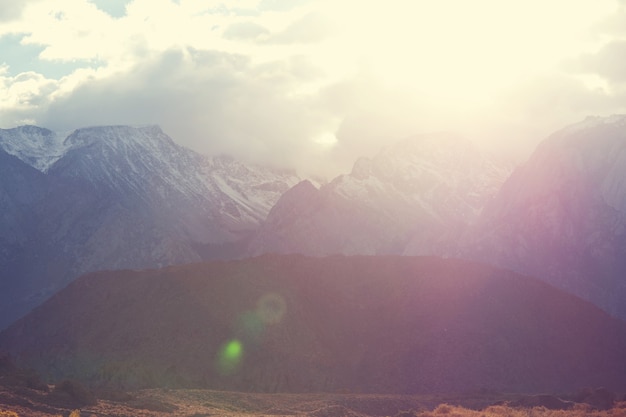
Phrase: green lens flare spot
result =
(230, 357)
(233, 350)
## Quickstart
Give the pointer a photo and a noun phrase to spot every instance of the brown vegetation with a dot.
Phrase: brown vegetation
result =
(187, 403)
(578, 410)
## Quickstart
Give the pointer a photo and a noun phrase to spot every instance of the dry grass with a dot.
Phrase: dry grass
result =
(579, 410)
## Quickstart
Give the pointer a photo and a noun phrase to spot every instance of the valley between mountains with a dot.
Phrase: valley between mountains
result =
(130, 262)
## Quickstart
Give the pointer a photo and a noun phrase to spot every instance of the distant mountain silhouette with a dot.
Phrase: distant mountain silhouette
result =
(562, 215)
(387, 324)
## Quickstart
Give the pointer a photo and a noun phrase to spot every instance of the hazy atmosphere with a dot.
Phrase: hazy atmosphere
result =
(313, 84)
(317, 208)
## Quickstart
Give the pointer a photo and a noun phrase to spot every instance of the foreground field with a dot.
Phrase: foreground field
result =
(199, 403)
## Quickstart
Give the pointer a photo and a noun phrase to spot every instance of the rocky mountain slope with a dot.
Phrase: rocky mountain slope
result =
(415, 196)
(386, 324)
(117, 197)
(562, 215)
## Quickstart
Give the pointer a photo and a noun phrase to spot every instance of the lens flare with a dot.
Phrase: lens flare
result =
(249, 327)
(230, 357)
(271, 308)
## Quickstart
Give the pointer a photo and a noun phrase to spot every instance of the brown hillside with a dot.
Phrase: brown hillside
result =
(292, 323)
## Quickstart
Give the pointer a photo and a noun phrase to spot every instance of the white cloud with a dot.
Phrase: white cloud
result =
(11, 10)
(314, 82)
(210, 101)
(23, 97)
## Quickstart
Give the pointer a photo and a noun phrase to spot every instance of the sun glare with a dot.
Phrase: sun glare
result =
(462, 50)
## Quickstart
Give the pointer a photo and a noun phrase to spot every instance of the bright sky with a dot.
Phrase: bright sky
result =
(313, 84)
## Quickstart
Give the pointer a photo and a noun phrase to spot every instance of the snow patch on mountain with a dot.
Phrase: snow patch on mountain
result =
(407, 199)
(592, 122)
(38, 147)
(145, 162)
(114, 197)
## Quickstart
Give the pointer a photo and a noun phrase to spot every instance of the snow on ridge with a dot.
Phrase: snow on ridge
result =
(116, 134)
(35, 146)
(143, 157)
(591, 122)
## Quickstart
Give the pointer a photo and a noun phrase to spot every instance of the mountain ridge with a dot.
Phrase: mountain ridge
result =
(121, 197)
(385, 324)
(562, 215)
(130, 197)
(410, 193)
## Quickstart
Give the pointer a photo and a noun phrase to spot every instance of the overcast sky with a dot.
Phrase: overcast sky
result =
(313, 84)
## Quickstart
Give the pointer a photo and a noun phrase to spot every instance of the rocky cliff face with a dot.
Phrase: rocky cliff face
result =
(562, 215)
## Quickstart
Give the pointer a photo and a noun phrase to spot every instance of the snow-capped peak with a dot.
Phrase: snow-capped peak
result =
(423, 167)
(590, 122)
(36, 146)
(113, 135)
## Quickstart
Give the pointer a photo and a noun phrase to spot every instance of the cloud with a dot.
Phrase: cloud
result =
(313, 84)
(311, 28)
(245, 31)
(23, 97)
(11, 10)
(609, 62)
(210, 101)
(526, 113)
(115, 8)
(614, 24)
(281, 5)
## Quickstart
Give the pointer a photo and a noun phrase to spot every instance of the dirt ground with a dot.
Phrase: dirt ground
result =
(201, 403)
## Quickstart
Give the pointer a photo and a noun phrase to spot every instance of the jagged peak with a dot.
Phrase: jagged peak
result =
(31, 129)
(145, 128)
(92, 133)
(591, 122)
(36, 146)
(362, 168)
(297, 195)
(304, 186)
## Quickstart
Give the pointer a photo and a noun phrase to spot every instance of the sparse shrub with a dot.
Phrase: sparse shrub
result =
(579, 410)
(443, 409)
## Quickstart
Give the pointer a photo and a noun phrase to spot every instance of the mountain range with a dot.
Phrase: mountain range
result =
(417, 194)
(289, 323)
(561, 216)
(117, 197)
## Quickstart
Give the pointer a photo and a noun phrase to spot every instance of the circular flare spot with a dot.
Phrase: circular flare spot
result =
(271, 308)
